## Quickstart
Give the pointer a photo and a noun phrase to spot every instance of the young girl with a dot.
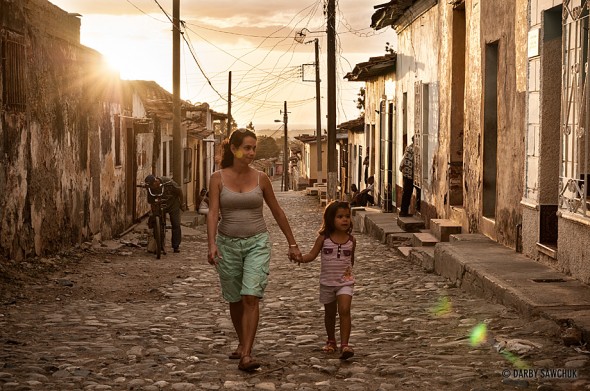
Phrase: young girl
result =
(336, 280)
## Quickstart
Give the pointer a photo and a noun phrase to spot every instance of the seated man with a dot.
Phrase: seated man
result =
(204, 204)
(365, 196)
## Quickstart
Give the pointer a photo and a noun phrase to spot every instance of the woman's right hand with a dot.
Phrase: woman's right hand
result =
(213, 255)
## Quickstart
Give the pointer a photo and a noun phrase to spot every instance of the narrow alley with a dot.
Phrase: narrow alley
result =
(122, 320)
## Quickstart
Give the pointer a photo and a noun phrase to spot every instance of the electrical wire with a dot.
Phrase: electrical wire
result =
(269, 82)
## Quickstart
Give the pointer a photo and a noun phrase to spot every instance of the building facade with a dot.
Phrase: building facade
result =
(461, 93)
(380, 132)
(61, 176)
(556, 217)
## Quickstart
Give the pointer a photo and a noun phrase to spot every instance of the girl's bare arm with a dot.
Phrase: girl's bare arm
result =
(315, 250)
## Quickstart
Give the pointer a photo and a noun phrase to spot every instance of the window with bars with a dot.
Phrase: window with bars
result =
(574, 174)
(13, 72)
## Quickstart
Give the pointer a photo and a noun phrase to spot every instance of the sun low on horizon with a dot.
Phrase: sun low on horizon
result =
(133, 46)
(258, 50)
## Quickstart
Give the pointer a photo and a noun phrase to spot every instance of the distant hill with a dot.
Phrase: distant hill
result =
(277, 130)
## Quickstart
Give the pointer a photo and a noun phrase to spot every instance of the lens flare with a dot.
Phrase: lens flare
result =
(443, 307)
(514, 360)
(479, 335)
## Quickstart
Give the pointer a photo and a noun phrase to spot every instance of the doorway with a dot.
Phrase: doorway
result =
(455, 163)
(490, 131)
(549, 161)
(130, 173)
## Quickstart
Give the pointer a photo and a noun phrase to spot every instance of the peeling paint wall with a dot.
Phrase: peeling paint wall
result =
(498, 24)
(60, 185)
(417, 61)
(375, 92)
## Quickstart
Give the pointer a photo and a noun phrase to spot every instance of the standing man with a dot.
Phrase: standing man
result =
(407, 169)
(173, 199)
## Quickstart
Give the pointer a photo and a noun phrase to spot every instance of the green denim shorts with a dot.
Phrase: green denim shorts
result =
(244, 266)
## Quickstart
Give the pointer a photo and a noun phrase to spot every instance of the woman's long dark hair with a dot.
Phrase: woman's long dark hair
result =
(236, 139)
(328, 226)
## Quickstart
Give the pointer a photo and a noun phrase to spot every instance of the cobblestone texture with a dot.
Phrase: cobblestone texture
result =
(411, 330)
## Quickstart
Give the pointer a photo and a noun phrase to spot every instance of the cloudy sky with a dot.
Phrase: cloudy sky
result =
(254, 39)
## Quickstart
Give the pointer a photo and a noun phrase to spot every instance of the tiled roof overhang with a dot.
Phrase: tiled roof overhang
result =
(399, 13)
(376, 66)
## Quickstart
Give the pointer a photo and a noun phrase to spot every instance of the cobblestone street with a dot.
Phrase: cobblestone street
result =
(410, 329)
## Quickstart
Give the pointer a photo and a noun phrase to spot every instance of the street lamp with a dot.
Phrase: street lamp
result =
(285, 184)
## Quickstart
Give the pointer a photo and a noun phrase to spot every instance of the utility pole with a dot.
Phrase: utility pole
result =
(229, 106)
(285, 152)
(318, 109)
(177, 156)
(332, 166)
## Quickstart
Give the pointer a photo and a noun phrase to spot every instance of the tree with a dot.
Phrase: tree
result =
(267, 148)
(389, 48)
(250, 126)
(360, 101)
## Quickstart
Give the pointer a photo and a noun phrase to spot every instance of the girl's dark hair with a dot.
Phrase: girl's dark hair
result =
(236, 139)
(330, 214)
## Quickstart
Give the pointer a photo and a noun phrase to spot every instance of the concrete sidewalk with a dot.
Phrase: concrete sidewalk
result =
(487, 269)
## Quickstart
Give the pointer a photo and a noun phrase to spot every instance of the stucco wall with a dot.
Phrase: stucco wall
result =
(530, 231)
(59, 185)
(486, 23)
(417, 60)
(572, 247)
(375, 92)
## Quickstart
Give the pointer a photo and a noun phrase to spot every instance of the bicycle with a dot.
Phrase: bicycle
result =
(157, 218)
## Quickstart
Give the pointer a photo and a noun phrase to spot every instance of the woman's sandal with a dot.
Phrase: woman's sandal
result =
(248, 364)
(346, 352)
(236, 354)
(330, 347)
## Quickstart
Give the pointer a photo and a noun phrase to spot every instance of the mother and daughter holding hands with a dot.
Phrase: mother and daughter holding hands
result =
(240, 249)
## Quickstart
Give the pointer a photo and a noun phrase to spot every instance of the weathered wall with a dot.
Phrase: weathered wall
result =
(59, 185)
(376, 90)
(530, 230)
(545, 162)
(486, 23)
(440, 191)
(573, 249)
(417, 60)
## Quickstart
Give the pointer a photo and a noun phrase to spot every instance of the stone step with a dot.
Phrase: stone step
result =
(423, 256)
(424, 239)
(410, 223)
(399, 239)
(443, 228)
(405, 251)
(311, 191)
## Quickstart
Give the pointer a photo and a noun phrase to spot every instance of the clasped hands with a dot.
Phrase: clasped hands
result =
(295, 255)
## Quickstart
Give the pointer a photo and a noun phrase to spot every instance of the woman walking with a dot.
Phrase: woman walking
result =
(239, 244)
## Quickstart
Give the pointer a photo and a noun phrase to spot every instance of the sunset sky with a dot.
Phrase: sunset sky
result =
(254, 39)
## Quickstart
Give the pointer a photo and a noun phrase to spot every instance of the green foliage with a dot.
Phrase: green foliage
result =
(267, 148)
(360, 101)
(389, 48)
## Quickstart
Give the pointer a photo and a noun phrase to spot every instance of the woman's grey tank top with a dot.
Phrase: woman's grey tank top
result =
(241, 213)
